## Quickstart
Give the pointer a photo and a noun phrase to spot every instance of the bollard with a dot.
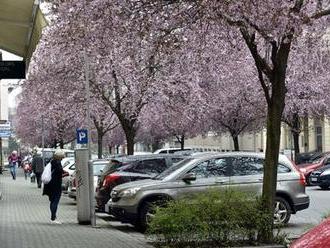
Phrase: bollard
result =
(83, 186)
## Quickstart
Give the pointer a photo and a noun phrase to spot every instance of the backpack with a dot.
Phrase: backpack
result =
(47, 174)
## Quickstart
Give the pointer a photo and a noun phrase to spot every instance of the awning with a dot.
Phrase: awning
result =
(21, 23)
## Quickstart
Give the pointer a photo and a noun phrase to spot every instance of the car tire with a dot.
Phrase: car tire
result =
(146, 210)
(282, 211)
(324, 186)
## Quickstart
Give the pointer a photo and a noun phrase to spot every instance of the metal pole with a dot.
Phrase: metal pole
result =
(90, 165)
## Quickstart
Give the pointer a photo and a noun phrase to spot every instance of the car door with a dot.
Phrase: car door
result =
(246, 174)
(210, 175)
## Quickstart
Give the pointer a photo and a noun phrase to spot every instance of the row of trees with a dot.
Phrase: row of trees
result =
(178, 68)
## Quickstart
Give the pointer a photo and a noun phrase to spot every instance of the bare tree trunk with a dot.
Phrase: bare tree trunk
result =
(295, 134)
(182, 142)
(236, 145)
(99, 143)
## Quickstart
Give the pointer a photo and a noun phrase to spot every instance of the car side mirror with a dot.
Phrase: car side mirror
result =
(187, 178)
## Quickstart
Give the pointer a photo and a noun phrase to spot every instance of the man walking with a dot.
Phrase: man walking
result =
(38, 167)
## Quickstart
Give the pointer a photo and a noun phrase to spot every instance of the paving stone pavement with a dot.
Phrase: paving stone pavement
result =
(25, 222)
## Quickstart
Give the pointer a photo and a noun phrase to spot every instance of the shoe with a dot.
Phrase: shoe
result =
(55, 222)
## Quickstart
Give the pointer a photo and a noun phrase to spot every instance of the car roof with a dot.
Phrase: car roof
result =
(206, 155)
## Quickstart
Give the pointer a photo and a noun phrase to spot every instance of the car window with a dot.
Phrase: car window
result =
(72, 167)
(211, 168)
(282, 169)
(163, 151)
(149, 166)
(243, 166)
(176, 160)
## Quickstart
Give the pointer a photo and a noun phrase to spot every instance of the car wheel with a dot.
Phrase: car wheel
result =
(324, 186)
(282, 211)
(146, 214)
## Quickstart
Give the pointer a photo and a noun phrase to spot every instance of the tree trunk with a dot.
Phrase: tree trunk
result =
(275, 110)
(236, 145)
(182, 142)
(99, 143)
(295, 134)
(110, 149)
(130, 137)
(155, 145)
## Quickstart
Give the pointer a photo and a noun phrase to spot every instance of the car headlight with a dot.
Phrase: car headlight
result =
(303, 170)
(128, 193)
(325, 173)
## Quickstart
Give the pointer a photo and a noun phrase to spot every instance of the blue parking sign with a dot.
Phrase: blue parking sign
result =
(82, 137)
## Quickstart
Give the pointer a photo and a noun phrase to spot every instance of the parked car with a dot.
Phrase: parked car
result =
(98, 166)
(321, 177)
(317, 237)
(68, 165)
(132, 168)
(170, 150)
(318, 162)
(307, 157)
(133, 202)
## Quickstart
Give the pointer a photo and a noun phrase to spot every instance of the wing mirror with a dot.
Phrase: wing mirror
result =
(187, 178)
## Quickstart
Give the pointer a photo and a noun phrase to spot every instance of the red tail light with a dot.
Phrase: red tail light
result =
(74, 182)
(110, 179)
(302, 179)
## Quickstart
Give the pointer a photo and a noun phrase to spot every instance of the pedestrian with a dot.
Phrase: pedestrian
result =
(38, 167)
(13, 163)
(54, 188)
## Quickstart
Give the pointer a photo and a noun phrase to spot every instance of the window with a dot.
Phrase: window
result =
(282, 169)
(149, 166)
(176, 160)
(211, 168)
(243, 166)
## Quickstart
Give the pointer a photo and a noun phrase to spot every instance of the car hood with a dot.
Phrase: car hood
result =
(137, 184)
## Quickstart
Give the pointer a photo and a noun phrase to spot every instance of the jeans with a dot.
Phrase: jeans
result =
(13, 168)
(54, 200)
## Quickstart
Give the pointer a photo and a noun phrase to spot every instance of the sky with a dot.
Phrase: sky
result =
(17, 90)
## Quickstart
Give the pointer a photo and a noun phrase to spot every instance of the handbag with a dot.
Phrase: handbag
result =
(47, 174)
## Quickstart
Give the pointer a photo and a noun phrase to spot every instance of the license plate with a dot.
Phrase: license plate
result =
(314, 179)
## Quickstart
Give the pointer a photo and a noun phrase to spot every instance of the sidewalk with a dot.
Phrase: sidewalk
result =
(25, 221)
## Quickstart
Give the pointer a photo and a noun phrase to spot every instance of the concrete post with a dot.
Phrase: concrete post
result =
(83, 186)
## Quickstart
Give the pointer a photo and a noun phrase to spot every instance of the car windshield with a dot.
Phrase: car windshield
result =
(171, 169)
(98, 168)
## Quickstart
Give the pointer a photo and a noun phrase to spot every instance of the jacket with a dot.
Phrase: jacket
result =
(37, 164)
(55, 184)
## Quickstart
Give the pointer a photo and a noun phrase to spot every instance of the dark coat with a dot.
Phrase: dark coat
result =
(55, 184)
(37, 164)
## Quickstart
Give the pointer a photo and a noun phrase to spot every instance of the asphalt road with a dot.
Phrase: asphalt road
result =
(310, 217)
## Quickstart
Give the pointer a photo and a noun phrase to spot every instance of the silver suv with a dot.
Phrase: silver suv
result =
(133, 202)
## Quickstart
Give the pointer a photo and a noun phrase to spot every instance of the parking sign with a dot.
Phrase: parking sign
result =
(82, 137)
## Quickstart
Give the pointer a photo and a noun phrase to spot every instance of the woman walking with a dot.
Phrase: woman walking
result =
(54, 188)
(13, 163)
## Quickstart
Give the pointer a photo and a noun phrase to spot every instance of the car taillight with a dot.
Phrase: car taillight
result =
(302, 179)
(74, 182)
(110, 179)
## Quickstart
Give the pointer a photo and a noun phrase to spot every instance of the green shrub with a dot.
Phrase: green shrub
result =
(216, 218)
